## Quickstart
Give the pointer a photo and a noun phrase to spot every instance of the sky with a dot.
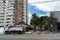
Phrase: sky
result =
(42, 7)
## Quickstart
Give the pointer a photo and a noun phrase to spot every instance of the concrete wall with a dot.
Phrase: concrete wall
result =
(56, 14)
(1, 30)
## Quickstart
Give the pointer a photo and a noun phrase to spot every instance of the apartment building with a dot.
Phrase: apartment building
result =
(12, 11)
(2, 12)
(21, 11)
(9, 14)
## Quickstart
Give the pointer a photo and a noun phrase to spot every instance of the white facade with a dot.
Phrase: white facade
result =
(2, 11)
(25, 11)
(7, 12)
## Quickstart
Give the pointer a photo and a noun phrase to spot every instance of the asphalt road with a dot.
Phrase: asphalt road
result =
(30, 37)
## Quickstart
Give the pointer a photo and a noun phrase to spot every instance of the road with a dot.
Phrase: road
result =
(30, 37)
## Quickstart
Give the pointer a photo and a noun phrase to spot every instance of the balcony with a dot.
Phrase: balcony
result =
(1, 15)
(11, 8)
(10, 17)
(11, 0)
(11, 5)
(10, 21)
(11, 11)
(2, 12)
(1, 1)
(1, 6)
(1, 24)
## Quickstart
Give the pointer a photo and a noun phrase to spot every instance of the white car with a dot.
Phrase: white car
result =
(14, 30)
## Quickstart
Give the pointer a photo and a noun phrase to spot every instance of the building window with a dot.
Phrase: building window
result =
(23, 15)
(7, 22)
(10, 15)
(13, 18)
(23, 18)
(8, 18)
(13, 21)
(23, 6)
(22, 12)
(0, 22)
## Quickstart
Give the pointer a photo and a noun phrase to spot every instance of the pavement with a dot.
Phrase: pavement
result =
(33, 36)
(1, 30)
(46, 35)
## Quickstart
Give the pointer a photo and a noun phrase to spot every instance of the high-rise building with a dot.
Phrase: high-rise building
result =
(21, 11)
(2, 12)
(12, 11)
(9, 15)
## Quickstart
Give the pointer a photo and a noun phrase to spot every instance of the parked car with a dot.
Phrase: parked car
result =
(14, 30)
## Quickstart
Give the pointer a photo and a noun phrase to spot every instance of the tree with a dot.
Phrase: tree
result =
(21, 22)
(52, 21)
(43, 21)
(48, 21)
(34, 20)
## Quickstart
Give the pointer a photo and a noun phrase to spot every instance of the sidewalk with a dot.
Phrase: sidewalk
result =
(1, 30)
(41, 32)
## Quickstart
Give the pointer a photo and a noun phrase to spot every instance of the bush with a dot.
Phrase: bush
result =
(28, 28)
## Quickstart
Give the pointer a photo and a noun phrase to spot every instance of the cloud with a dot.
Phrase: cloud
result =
(29, 21)
(42, 9)
(41, 15)
(33, 1)
(48, 6)
(44, 15)
(33, 9)
(29, 17)
(47, 14)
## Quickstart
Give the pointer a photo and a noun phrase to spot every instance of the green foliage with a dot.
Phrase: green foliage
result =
(28, 29)
(47, 21)
(21, 22)
(34, 20)
(40, 21)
